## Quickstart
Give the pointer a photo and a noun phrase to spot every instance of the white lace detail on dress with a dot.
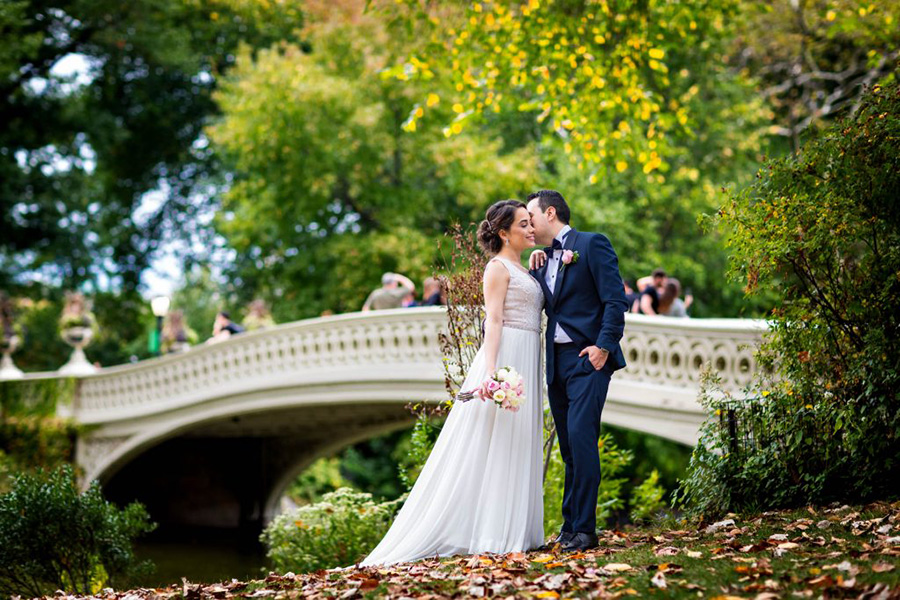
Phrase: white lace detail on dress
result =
(524, 298)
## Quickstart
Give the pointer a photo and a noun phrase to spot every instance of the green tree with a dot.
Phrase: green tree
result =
(329, 189)
(613, 80)
(813, 59)
(78, 155)
(640, 121)
(822, 228)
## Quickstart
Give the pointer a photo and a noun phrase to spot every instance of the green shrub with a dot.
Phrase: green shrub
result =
(822, 227)
(33, 442)
(53, 537)
(338, 531)
(38, 397)
(647, 498)
(612, 462)
(322, 477)
(421, 441)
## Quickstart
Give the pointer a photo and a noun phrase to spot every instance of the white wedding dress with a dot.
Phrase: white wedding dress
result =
(481, 488)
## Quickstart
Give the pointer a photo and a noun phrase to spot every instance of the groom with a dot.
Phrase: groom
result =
(585, 305)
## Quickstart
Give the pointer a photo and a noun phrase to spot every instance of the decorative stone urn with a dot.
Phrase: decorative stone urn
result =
(76, 327)
(8, 345)
(10, 339)
(78, 337)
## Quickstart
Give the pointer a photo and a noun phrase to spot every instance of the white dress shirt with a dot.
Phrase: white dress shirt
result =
(550, 274)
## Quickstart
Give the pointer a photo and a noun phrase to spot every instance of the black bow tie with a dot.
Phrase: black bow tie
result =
(556, 245)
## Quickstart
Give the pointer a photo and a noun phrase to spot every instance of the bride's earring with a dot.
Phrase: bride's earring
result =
(507, 241)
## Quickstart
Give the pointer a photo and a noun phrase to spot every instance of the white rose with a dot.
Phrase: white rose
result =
(502, 374)
(499, 395)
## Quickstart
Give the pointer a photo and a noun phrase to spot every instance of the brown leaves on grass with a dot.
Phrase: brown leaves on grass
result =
(854, 555)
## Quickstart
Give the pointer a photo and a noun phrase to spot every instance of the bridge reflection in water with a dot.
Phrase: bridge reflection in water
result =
(212, 437)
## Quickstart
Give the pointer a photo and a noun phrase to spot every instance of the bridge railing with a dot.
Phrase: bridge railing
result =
(382, 346)
(673, 351)
(379, 347)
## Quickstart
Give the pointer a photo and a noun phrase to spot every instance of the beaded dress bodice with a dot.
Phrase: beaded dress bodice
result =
(524, 298)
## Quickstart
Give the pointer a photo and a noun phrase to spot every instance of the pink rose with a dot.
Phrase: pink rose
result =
(493, 386)
(567, 256)
(505, 386)
(505, 403)
(520, 389)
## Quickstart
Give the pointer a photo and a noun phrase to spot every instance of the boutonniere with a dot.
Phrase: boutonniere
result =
(568, 258)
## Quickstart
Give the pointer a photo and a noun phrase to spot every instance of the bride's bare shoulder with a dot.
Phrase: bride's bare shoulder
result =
(496, 270)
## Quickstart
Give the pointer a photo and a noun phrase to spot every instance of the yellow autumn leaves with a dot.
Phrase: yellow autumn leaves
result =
(587, 73)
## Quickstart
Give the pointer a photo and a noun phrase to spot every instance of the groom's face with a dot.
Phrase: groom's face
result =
(542, 231)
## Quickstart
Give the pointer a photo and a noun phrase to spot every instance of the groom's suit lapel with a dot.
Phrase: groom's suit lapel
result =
(563, 269)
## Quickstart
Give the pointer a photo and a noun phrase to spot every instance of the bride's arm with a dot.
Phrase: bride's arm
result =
(496, 281)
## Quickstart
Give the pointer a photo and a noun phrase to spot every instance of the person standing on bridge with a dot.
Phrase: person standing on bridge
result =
(395, 288)
(224, 328)
(586, 306)
(480, 489)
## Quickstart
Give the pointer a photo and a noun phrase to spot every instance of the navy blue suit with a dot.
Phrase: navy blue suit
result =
(589, 303)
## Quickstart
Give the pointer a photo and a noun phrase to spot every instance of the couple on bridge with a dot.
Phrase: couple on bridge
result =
(481, 488)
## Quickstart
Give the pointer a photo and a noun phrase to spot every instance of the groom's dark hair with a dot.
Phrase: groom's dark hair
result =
(548, 198)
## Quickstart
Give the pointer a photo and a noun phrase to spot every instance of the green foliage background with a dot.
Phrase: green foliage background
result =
(823, 228)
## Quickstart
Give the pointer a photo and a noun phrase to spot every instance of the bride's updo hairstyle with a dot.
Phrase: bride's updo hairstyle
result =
(499, 217)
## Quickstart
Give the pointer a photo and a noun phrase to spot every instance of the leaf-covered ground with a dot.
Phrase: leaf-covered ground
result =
(838, 552)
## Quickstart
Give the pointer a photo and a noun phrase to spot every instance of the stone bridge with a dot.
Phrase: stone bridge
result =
(213, 436)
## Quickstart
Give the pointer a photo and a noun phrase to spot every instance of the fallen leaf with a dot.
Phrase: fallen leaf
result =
(882, 567)
(719, 525)
(659, 580)
(369, 584)
(694, 586)
(847, 583)
(788, 546)
(822, 581)
(617, 567)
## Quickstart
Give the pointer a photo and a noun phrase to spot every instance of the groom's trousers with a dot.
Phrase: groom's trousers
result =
(577, 395)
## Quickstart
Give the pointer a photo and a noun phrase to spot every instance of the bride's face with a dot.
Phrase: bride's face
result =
(521, 232)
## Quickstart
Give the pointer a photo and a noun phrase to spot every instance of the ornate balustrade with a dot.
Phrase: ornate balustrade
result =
(381, 352)
(361, 347)
(673, 351)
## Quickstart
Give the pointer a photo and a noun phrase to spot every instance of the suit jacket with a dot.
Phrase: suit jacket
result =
(588, 301)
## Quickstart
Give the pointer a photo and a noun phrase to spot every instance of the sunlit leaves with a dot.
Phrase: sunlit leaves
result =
(341, 166)
(605, 77)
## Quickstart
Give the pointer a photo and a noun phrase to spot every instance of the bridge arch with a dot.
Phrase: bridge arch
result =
(307, 388)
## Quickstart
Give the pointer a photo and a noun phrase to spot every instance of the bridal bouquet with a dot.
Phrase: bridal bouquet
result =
(504, 388)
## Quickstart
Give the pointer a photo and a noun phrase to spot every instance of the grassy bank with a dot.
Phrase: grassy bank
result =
(842, 552)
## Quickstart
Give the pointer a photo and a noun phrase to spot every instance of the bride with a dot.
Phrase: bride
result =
(480, 490)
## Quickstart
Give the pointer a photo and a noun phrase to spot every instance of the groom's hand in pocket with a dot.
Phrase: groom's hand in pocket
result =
(596, 355)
